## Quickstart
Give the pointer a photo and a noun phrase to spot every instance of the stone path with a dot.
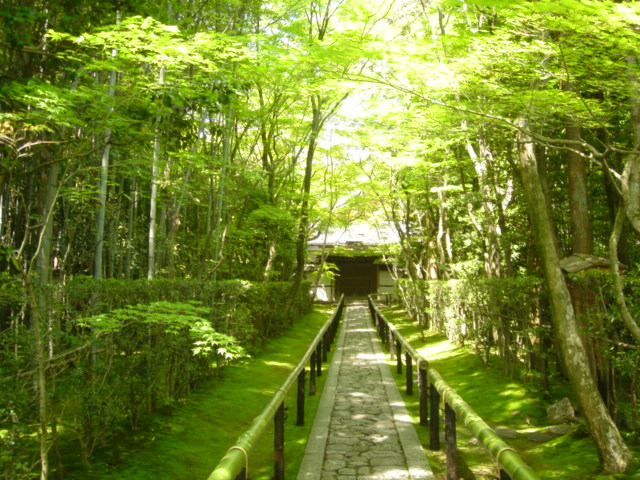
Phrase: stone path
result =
(362, 430)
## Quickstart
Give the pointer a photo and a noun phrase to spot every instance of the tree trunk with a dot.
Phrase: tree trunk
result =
(153, 204)
(443, 240)
(174, 220)
(102, 187)
(629, 187)
(218, 234)
(153, 197)
(631, 181)
(582, 243)
(614, 454)
(37, 300)
(131, 221)
(489, 228)
(582, 237)
(40, 307)
(271, 259)
(301, 244)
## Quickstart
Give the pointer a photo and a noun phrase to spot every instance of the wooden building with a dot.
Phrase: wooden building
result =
(358, 267)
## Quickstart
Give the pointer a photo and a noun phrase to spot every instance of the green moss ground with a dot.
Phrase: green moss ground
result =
(189, 443)
(502, 402)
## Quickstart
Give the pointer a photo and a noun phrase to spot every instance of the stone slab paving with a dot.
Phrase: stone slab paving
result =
(362, 430)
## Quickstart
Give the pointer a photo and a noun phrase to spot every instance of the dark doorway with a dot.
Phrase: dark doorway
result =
(358, 276)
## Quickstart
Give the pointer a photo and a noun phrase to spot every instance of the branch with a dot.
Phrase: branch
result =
(28, 49)
(38, 142)
(616, 279)
(554, 143)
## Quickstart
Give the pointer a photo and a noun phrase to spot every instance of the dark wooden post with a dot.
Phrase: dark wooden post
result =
(422, 389)
(434, 430)
(504, 475)
(450, 441)
(325, 346)
(408, 361)
(319, 359)
(398, 357)
(278, 443)
(391, 343)
(242, 475)
(300, 409)
(385, 335)
(332, 330)
(312, 374)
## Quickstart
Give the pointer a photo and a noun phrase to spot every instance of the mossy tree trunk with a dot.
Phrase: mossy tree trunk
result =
(613, 453)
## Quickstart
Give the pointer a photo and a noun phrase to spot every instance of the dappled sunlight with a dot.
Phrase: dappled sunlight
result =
(379, 439)
(371, 357)
(358, 394)
(266, 392)
(402, 418)
(389, 473)
(513, 390)
(360, 397)
(360, 330)
(273, 363)
(433, 348)
(417, 472)
(443, 354)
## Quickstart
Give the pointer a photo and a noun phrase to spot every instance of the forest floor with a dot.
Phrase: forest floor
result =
(189, 443)
(505, 403)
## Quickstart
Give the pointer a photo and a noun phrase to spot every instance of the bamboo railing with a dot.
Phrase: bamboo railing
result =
(510, 464)
(234, 465)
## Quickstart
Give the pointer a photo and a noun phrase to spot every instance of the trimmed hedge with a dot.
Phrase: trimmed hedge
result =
(251, 312)
(505, 315)
(510, 317)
